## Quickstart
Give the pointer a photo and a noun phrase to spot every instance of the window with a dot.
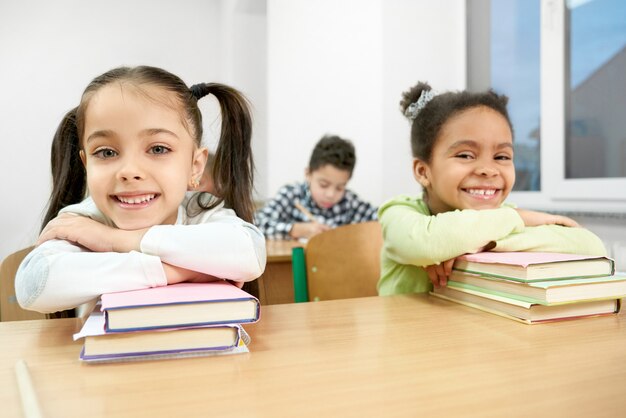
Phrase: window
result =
(515, 72)
(562, 63)
(584, 96)
(595, 145)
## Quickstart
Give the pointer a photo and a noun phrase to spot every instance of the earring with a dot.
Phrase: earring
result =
(194, 184)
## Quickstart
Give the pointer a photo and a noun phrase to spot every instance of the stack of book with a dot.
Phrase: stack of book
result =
(536, 287)
(181, 320)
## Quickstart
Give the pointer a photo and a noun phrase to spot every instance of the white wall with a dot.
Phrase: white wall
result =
(243, 48)
(340, 67)
(423, 41)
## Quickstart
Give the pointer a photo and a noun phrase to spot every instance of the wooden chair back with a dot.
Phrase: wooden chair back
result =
(10, 310)
(341, 263)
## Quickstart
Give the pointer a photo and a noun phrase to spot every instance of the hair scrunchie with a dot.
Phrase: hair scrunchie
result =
(199, 90)
(414, 108)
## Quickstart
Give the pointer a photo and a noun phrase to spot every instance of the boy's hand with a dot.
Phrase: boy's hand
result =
(533, 218)
(91, 234)
(438, 273)
(307, 229)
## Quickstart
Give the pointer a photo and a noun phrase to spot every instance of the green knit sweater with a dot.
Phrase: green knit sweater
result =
(413, 238)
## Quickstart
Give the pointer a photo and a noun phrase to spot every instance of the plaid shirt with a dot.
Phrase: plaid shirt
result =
(276, 219)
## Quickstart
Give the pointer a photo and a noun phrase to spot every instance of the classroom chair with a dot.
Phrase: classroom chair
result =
(338, 264)
(10, 310)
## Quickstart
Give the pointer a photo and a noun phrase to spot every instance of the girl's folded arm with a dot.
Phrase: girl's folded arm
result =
(225, 246)
(58, 275)
(553, 238)
(422, 240)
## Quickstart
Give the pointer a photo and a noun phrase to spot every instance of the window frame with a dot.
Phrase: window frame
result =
(557, 192)
(554, 94)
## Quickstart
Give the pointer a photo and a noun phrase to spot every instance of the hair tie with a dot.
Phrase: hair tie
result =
(199, 90)
(413, 109)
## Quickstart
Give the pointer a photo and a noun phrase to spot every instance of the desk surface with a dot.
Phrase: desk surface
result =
(379, 356)
(280, 250)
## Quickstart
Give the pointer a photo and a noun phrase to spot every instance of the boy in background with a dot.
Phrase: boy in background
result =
(320, 203)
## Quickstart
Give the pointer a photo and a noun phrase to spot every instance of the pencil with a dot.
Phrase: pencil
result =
(30, 404)
(305, 211)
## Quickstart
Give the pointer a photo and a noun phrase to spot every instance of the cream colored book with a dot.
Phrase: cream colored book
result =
(100, 346)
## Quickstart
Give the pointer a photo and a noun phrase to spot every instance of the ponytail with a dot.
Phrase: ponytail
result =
(68, 172)
(233, 170)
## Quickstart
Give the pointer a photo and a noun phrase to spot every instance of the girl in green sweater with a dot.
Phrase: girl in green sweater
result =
(462, 145)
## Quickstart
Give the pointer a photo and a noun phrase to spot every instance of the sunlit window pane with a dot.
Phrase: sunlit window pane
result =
(596, 130)
(515, 70)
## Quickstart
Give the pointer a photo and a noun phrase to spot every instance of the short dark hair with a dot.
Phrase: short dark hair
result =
(335, 151)
(426, 126)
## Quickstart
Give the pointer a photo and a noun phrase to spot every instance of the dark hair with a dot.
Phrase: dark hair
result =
(427, 124)
(335, 151)
(210, 162)
(68, 173)
(233, 168)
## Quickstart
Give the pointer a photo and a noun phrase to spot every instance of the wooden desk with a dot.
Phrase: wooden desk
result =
(387, 356)
(276, 283)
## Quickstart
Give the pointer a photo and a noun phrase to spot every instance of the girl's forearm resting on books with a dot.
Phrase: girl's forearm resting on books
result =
(228, 250)
(533, 218)
(59, 275)
(91, 234)
(421, 240)
(553, 238)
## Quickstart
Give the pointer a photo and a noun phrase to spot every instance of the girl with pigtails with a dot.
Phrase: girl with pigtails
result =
(123, 213)
(462, 145)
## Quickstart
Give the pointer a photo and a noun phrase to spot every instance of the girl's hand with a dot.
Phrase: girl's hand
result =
(307, 229)
(438, 273)
(533, 218)
(91, 234)
(177, 274)
(238, 284)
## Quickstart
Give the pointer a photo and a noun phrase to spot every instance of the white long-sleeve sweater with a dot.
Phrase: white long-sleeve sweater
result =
(59, 275)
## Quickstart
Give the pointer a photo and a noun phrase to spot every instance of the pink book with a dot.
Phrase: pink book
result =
(534, 266)
(179, 305)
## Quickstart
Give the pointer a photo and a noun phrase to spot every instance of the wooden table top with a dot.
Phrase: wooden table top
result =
(379, 356)
(280, 250)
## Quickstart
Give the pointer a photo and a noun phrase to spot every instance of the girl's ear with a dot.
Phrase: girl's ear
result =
(307, 175)
(421, 172)
(197, 165)
(83, 158)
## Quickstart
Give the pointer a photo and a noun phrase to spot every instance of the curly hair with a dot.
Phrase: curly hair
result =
(426, 126)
